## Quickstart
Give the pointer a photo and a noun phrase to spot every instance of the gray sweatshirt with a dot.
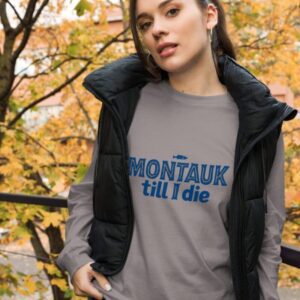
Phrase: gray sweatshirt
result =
(181, 155)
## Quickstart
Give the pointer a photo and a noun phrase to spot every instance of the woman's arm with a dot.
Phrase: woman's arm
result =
(269, 258)
(80, 205)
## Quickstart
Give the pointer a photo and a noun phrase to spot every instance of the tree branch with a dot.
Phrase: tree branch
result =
(27, 17)
(64, 139)
(63, 165)
(15, 11)
(25, 76)
(52, 93)
(36, 243)
(27, 24)
(3, 16)
(83, 109)
(43, 5)
(71, 79)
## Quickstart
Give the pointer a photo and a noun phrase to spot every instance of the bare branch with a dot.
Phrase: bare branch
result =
(15, 11)
(293, 213)
(64, 139)
(52, 93)
(31, 138)
(64, 165)
(22, 45)
(3, 16)
(38, 60)
(67, 82)
(83, 109)
(43, 5)
(50, 69)
(27, 17)
(38, 247)
(35, 141)
(27, 23)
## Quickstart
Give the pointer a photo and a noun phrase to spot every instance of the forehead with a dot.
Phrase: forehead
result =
(147, 7)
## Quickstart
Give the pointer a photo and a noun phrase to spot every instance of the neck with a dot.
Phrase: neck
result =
(199, 78)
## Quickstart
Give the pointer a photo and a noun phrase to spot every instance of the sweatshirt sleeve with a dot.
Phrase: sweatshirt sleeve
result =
(80, 206)
(269, 258)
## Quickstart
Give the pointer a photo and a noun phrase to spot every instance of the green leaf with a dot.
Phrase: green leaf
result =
(56, 63)
(13, 106)
(73, 49)
(82, 6)
(81, 171)
(68, 293)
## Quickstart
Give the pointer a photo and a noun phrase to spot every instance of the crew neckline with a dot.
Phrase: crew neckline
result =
(193, 99)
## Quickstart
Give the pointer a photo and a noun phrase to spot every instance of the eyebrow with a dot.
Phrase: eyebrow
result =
(160, 6)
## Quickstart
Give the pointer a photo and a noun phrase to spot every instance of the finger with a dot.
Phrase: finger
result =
(91, 291)
(85, 287)
(102, 280)
(79, 292)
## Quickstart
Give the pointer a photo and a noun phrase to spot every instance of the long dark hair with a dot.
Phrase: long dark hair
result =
(221, 43)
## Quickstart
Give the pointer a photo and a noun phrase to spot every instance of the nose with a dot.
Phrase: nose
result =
(158, 29)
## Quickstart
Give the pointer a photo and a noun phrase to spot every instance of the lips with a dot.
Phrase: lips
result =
(162, 46)
(166, 48)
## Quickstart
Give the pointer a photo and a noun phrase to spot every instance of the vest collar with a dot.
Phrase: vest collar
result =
(257, 107)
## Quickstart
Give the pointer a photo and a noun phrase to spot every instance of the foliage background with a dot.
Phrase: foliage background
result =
(48, 159)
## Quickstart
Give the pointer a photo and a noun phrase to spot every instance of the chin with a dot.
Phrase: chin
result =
(174, 66)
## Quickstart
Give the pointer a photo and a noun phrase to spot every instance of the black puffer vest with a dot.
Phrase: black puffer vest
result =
(118, 86)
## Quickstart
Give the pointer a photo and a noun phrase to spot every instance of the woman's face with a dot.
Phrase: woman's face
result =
(176, 21)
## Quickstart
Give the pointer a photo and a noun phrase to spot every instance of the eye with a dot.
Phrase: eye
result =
(144, 27)
(173, 9)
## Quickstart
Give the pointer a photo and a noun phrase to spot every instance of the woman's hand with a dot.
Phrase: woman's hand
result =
(82, 282)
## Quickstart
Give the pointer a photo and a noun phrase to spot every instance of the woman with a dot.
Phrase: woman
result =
(199, 212)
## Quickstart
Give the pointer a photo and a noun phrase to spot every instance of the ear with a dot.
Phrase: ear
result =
(212, 16)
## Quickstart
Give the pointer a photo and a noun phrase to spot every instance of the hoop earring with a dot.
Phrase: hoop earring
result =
(210, 35)
(148, 59)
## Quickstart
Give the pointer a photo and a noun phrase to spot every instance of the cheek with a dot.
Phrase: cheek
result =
(184, 32)
(147, 44)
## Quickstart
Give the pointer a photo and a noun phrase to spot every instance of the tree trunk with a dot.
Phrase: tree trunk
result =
(56, 245)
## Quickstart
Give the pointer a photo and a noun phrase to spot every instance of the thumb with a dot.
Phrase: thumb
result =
(102, 280)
